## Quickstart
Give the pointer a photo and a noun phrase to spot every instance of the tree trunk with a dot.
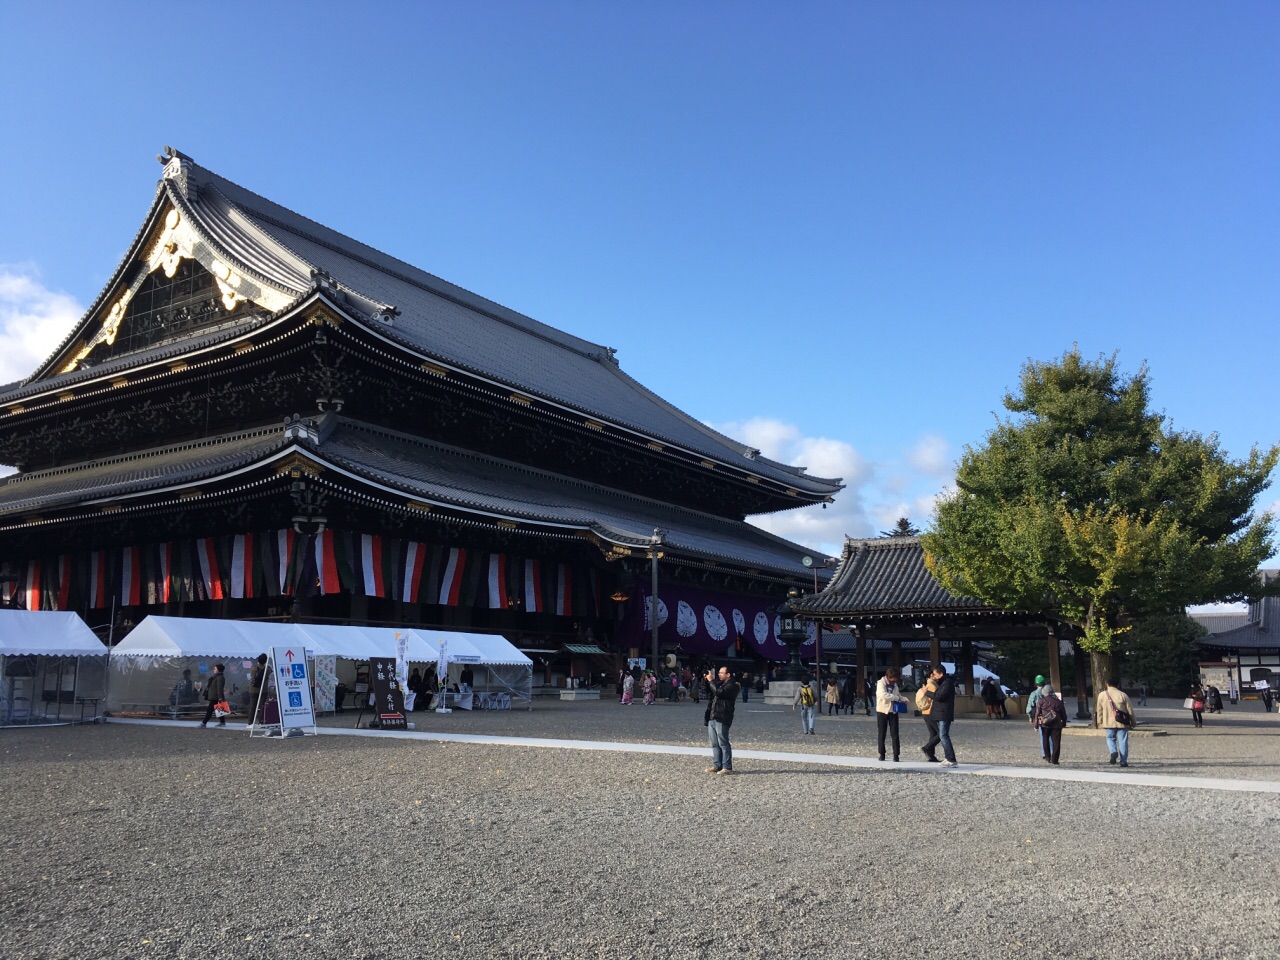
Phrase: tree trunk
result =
(1100, 667)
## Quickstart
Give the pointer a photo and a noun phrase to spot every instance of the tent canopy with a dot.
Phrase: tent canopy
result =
(242, 639)
(47, 633)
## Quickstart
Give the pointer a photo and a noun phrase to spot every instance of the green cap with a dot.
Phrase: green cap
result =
(1039, 679)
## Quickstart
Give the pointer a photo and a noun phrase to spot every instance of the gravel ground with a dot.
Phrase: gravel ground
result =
(173, 842)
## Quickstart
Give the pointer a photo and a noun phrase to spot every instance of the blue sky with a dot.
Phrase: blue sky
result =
(835, 231)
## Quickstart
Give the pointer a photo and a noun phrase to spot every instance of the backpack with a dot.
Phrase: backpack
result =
(923, 703)
(1050, 711)
(806, 696)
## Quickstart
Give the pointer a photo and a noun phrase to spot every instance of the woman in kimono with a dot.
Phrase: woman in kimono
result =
(650, 687)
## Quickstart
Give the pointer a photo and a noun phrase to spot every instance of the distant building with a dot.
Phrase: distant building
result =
(1244, 646)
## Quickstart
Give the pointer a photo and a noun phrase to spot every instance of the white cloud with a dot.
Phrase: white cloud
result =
(876, 494)
(932, 456)
(33, 320)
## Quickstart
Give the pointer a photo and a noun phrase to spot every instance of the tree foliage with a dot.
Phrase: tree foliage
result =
(902, 528)
(1163, 652)
(1085, 506)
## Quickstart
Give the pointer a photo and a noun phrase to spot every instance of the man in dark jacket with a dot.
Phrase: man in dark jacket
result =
(723, 692)
(943, 713)
(213, 693)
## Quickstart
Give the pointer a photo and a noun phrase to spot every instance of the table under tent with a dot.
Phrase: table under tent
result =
(53, 669)
(154, 669)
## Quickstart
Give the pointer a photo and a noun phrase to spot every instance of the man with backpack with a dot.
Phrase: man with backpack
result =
(1050, 718)
(807, 700)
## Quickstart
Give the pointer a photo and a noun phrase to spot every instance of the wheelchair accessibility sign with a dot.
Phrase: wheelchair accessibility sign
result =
(294, 687)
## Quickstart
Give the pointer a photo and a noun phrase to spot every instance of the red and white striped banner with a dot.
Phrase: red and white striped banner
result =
(327, 563)
(130, 577)
(284, 546)
(451, 582)
(497, 582)
(532, 587)
(371, 564)
(414, 556)
(209, 572)
(564, 591)
(97, 579)
(33, 585)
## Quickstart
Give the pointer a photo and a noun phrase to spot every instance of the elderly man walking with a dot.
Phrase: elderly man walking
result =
(1114, 714)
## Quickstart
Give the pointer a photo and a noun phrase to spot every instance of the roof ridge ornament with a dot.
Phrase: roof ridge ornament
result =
(178, 169)
(296, 428)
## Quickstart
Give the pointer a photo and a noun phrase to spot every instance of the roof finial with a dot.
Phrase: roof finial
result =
(178, 169)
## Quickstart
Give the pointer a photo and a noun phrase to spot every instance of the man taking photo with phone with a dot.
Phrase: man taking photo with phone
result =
(724, 695)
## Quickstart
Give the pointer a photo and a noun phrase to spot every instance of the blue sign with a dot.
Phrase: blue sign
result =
(295, 698)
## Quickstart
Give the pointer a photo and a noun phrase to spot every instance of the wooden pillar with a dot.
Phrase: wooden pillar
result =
(1084, 709)
(1054, 673)
(935, 648)
(895, 656)
(861, 647)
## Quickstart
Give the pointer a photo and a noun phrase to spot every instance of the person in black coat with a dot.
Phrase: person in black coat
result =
(943, 713)
(723, 692)
(213, 693)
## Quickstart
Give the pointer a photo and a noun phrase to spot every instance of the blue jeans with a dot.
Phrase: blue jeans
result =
(721, 751)
(1118, 742)
(807, 715)
(944, 737)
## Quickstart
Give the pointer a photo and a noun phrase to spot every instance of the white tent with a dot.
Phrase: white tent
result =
(163, 664)
(52, 668)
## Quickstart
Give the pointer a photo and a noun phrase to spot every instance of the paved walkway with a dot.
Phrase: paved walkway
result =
(1127, 777)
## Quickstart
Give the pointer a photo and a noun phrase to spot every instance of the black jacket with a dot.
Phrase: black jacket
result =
(724, 698)
(217, 684)
(944, 700)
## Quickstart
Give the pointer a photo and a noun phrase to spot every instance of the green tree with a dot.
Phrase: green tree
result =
(902, 528)
(1084, 506)
(1162, 651)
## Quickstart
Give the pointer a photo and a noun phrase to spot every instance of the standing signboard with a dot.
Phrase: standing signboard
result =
(387, 696)
(293, 688)
(326, 674)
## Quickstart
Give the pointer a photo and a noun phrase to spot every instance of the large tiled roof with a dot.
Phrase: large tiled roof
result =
(421, 470)
(499, 488)
(463, 329)
(881, 577)
(134, 473)
(1261, 632)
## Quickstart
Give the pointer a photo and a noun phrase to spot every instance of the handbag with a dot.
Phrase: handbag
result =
(222, 709)
(899, 707)
(1123, 717)
(1197, 705)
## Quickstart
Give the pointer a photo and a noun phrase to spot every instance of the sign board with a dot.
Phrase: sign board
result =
(326, 674)
(1261, 685)
(388, 698)
(293, 687)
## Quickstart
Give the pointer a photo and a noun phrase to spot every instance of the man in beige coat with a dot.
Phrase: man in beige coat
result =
(1111, 703)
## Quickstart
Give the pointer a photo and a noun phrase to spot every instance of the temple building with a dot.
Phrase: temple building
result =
(259, 417)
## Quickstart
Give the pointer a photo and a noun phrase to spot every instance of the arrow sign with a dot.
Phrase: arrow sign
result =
(288, 655)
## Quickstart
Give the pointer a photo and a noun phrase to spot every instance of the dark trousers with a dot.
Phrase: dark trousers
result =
(1051, 743)
(832, 708)
(932, 744)
(887, 722)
